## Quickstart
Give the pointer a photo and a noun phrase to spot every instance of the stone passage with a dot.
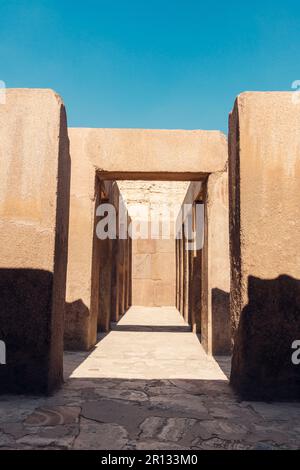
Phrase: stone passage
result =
(149, 204)
(153, 273)
(147, 385)
(256, 310)
(150, 343)
(202, 273)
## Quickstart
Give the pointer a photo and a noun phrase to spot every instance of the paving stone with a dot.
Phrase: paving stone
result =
(189, 406)
(216, 443)
(165, 429)
(6, 441)
(204, 387)
(163, 412)
(127, 395)
(17, 409)
(15, 430)
(274, 432)
(277, 411)
(53, 416)
(129, 415)
(223, 429)
(265, 446)
(36, 441)
(230, 411)
(100, 436)
(159, 445)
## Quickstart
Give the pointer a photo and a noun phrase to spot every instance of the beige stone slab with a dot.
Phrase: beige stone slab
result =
(146, 246)
(264, 169)
(141, 266)
(34, 217)
(164, 293)
(163, 267)
(150, 354)
(143, 150)
(143, 292)
(165, 246)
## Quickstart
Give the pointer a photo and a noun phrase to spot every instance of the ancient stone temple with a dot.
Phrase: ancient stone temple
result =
(224, 260)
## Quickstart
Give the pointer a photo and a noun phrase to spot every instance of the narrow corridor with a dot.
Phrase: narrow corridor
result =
(150, 343)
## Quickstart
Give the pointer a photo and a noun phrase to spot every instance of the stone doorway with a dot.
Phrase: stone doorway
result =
(158, 268)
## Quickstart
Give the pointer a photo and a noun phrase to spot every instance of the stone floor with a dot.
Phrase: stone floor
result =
(147, 385)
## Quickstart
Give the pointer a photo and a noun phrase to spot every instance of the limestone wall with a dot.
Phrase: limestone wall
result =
(153, 272)
(152, 151)
(264, 169)
(153, 261)
(98, 278)
(203, 275)
(34, 203)
(104, 153)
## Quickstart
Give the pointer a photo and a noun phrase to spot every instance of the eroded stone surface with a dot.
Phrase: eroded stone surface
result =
(197, 411)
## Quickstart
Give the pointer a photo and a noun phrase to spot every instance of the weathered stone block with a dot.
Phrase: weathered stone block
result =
(165, 246)
(163, 267)
(164, 294)
(215, 314)
(146, 246)
(143, 292)
(264, 169)
(34, 214)
(141, 266)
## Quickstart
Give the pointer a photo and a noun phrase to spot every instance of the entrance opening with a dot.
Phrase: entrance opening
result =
(154, 280)
(150, 279)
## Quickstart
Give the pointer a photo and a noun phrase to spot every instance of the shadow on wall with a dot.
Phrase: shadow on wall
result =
(262, 365)
(77, 316)
(153, 328)
(25, 327)
(221, 325)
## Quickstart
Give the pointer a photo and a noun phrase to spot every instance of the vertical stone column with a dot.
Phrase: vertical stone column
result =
(126, 278)
(128, 263)
(34, 209)
(215, 321)
(195, 285)
(190, 255)
(177, 274)
(121, 267)
(264, 169)
(185, 280)
(104, 317)
(115, 257)
(83, 262)
(196, 292)
(130, 270)
(181, 272)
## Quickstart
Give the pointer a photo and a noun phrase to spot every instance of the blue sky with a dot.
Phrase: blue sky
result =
(150, 64)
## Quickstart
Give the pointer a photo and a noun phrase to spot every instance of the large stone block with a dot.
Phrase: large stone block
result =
(143, 292)
(164, 294)
(141, 267)
(165, 245)
(264, 169)
(156, 152)
(34, 205)
(146, 246)
(163, 266)
(216, 264)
